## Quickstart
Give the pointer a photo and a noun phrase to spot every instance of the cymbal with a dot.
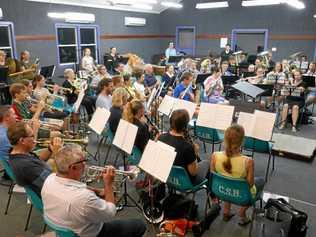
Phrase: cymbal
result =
(263, 53)
(295, 55)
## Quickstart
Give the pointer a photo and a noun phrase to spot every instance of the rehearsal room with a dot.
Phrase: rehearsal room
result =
(157, 118)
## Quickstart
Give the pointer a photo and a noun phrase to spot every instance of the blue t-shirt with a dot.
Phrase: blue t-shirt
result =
(150, 80)
(4, 142)
(179, 89)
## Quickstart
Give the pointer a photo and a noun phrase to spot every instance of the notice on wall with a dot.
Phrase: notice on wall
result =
(224, 41)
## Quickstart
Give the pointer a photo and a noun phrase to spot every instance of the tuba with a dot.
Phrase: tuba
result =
(237, 56)
(265, 60)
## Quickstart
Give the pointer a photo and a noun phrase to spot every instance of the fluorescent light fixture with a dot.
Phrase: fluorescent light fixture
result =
(209, 5)
(133, 1)
(253, 3)
(171, 4)
(73, 16)
(315, 16)
(1, 13)
(296, 4)
(142, 6)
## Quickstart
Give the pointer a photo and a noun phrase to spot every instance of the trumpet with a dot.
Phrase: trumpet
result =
(47, 106)
(43, 142)
(64, 89)
(94, 172)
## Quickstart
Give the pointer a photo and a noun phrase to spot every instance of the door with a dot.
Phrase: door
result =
(185, 39)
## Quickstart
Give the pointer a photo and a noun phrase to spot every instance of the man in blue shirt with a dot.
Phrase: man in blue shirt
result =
(181, 91)
(170, 51)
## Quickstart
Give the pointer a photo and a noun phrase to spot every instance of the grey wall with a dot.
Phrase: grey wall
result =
(279, 20)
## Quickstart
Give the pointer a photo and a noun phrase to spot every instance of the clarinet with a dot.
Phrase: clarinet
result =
(188, 138)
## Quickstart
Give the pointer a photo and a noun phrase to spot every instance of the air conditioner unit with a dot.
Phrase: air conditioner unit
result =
(77, 17)
(134, 21)
(1, 13)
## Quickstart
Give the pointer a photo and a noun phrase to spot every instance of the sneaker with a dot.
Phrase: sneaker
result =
(244, 221)
(294, 129)
(281, 127)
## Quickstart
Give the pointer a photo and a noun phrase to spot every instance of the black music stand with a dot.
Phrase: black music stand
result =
(268, 89)
(248, 89)
(48, 72)
(174, 59)
(229, 80)
(309, 81)
(202, 77)
(5, 97)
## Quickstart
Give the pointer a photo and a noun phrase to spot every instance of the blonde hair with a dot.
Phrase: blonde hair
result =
(131, 109)
(120, 95)
(233, 139)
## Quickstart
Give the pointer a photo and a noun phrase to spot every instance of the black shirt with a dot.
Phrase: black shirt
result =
(114, 119)
(29, 170)
(143, 135)
(71, 96)
(225, 55)
(185, 151)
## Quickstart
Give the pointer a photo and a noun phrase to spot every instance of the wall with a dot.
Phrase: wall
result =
(290, 30)
(30, 19)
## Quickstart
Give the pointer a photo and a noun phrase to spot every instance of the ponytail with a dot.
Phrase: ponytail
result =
(233, 139)
(131, 109)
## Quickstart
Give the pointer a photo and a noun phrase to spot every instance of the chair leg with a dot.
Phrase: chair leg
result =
(268, 168)
(273, 161)
(252, 220)
(107, 154)
(28, 218)
(220, 147)
(9, 198)
(204, 147)
(44, 228)
(97, 153)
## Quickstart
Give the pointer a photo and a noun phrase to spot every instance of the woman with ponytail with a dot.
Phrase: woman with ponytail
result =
(134, 113)
(233, 164)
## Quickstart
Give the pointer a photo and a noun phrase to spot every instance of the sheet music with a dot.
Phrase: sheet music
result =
(264, 124)
(157, 160)
(166, 105)
(151, 98)
(99, 120)
(160, 89)
(246, 120)
(125, 136)
(304, 65)
(215, 116)
(183, 104)
(79, 100)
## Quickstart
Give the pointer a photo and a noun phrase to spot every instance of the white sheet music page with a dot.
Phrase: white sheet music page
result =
(151, 98)
(157, 160)
(215, 116)
(125, 136)
(264, 124)
(79, 100)
(247, 120)
(99, 120)
(187, 105)
(166, 105)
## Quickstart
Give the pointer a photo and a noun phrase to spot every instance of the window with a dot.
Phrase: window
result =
(7, 40)
(73, 39)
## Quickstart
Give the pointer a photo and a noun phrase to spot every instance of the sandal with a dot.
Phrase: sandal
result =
(244, 221)
(228, 217)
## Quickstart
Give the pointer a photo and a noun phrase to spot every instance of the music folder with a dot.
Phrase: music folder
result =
(229, 80)
(202, 77)
(99, 120)
(125, 136)
(268, 89)
(157, 160)
(166, 105)
(174, 59)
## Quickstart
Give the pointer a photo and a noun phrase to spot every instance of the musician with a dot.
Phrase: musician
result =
(119, 100)
(311, 69)
(258, 63)
(186, 155)
(139, 84)
(233, 164)
(226, 53)
(7, 119)
(150, 80)
(2, 58)
(119, 69)
(286, 67)
(25, 61)
(296, 102)
(110, 60)
(184, 89)
(117, 81)
(270, 60)
(129, 87)
(87, 101)
(134, 112)
(84, 210)
(213, 88)
(276, 74)
(168, 78)
(105, 89)
(258, 78)
(101, 74)
(87, 62)
(225, 69)
(170, 51)
(311, 97)
(206, 66)
(29, 169)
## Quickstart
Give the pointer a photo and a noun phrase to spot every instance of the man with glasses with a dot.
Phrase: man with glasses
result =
(28, 168)
(88, 212)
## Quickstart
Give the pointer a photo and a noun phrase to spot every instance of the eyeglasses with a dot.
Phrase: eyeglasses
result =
(78, 162)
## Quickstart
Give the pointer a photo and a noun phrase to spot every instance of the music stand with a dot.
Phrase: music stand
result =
(4, 72)
(248, 89)
(268, 89)
(202, 77)
(309, 81)
(174, 59)
(229, 80)
(48, 71)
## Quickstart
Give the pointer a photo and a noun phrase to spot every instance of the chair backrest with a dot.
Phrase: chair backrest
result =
(232, 190)
(256, 145)
(60, 231)
(209, 134)
(34, 198)
(109, 134)
(5, 163)
(135, 157)
(179, 179)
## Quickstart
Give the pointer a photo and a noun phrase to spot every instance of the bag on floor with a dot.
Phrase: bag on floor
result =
(298, 226)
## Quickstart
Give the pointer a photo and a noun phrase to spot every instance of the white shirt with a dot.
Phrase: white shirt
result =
(70, 204)
(87, 63)
(139, 87)
(104, 101)
(170, 52)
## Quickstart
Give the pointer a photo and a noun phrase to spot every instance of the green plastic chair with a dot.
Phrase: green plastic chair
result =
(60, 231)
(235, 191)
(209, 135)
(4, 162)
(179, 180)
(106, 138)
(255, 145)
(135, 157)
